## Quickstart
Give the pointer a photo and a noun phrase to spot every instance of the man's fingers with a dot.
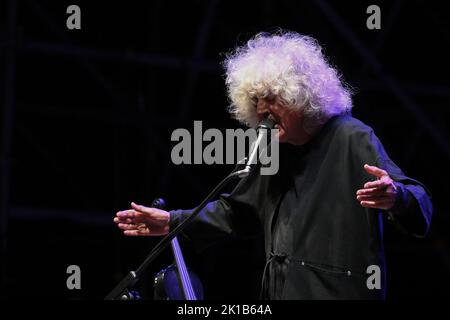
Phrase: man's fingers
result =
(120, 220)
(132, 233)
(381, 204)
(371, 191)
(126, 214)
(131, 216)
(377, 184)
(140, 208)
(127, 226)
(135, 233)
(375, 171)
(372, 197)
(123, 220)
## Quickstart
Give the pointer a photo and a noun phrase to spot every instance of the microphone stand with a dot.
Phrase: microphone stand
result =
(123, 290)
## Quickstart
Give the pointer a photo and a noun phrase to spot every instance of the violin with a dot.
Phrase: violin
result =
(176, 282)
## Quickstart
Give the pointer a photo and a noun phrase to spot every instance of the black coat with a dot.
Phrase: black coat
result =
(319, 240)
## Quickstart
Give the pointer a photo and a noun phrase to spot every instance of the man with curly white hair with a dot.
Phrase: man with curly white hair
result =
(322, 214)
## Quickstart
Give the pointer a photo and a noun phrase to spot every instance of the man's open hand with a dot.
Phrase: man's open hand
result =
(143, 221)
(379, 194)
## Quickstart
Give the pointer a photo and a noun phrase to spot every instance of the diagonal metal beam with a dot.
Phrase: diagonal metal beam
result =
(408, 103)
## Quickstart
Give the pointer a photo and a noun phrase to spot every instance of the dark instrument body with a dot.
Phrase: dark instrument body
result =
(176, 282)
(167, 285)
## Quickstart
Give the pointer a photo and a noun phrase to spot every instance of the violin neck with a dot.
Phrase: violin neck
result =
(183, 273)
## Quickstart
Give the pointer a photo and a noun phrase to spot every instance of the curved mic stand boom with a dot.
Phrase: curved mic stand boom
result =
(123, 290)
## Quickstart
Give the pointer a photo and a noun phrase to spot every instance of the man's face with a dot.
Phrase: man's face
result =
(288, 121)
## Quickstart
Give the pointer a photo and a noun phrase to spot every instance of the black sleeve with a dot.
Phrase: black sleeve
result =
(413, 208)
(233, 215)
(212, 224)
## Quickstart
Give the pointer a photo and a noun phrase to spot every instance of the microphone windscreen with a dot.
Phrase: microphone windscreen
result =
(266, 124)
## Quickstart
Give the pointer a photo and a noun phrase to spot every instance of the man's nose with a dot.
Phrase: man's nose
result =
(263, 114)
(263, 110)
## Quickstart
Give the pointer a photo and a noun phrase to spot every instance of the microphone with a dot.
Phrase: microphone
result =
(263, 131)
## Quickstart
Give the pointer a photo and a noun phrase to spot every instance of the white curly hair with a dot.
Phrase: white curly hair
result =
(288, 65)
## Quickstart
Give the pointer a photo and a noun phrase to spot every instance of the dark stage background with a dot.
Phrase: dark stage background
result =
(87, 117)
